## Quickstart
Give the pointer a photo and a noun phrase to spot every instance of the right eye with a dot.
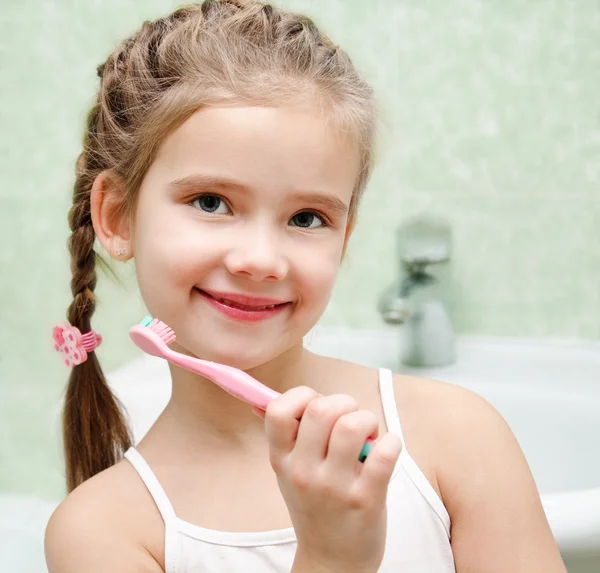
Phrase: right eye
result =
(211, 204)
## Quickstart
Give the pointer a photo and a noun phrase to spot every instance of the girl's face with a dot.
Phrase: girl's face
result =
(242, 209)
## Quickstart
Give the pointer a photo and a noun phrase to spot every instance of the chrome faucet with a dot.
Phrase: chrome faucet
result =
(420, 298)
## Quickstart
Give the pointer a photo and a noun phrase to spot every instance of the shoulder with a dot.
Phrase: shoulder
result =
(436, 418)
(473, 442)
(463, 428)
(104, 524)
(449, 410)
(449, 432)
(484, 479)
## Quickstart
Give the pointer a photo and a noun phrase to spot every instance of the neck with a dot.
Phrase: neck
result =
(200, 414)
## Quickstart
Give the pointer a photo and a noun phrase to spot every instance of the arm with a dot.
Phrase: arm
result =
(78, 539)
(498, 522)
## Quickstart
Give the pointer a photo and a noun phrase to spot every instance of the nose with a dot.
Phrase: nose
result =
(258, 255)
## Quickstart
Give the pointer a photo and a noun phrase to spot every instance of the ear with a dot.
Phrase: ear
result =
(349, 230)
(109, 215)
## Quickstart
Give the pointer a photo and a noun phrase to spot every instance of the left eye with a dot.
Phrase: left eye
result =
(306, 220)
(211, 204)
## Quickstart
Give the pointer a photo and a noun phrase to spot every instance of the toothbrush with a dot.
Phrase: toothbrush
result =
(154, 337)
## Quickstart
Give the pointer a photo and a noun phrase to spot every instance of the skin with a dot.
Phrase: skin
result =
(304, 472)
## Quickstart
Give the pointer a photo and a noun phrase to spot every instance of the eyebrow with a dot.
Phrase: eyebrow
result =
(200, 182)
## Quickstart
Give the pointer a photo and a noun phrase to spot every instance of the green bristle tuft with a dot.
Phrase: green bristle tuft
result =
(146, 320)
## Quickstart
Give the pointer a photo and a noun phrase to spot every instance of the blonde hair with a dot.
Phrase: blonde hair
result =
(220, 51)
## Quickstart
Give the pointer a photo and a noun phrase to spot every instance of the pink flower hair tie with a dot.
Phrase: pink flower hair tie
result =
(72, 345)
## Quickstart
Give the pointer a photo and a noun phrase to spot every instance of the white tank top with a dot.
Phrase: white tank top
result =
(418, 531)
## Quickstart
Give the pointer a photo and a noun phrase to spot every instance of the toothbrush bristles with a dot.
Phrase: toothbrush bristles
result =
(163, 331)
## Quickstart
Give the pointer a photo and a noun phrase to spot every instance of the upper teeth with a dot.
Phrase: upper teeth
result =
(230, 302)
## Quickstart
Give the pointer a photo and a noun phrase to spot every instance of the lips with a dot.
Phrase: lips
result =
(243, 301)
(243, 307)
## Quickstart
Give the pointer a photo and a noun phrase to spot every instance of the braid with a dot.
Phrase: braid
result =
(83, 264)
(95, 433)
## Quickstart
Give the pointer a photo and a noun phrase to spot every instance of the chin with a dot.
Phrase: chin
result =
(236, 358)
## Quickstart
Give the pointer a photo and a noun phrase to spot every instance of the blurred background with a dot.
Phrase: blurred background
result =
(490, 119)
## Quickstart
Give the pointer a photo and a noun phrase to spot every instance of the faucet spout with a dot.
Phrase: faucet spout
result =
(418, 300)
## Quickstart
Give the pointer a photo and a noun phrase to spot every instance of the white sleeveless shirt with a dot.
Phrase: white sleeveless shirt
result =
(418, 529)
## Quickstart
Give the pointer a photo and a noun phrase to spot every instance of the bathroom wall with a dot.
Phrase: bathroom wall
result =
(491, 119)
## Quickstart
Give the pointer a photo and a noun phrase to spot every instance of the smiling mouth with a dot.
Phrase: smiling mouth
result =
(248, 308)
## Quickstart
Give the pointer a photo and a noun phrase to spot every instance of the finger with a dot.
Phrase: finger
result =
(347, 440)
(380, 463)
(282, 419)
(317, 423)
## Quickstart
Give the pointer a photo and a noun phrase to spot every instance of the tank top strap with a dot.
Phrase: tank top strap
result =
(388, 401)
(152, 484)
(412, 470)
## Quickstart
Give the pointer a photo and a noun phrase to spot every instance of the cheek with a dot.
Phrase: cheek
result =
(318, 276)
(169, 259)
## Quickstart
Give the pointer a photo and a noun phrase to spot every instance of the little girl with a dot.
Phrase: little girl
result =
(227, 153)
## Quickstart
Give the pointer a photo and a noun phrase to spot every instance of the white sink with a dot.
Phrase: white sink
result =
(548, 392)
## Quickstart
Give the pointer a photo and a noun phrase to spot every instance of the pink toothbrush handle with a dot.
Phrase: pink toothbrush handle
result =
(232, 380)
(238, 384)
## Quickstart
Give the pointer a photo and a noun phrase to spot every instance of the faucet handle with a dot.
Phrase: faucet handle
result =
(423, 241)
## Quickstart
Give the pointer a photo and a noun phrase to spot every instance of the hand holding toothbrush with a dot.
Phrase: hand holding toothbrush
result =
(337, 505)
